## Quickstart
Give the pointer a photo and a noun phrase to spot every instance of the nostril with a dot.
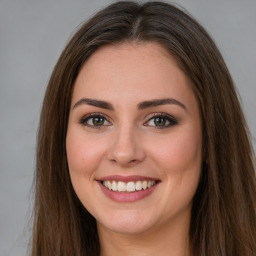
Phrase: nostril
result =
(123, 161)
(126, 152)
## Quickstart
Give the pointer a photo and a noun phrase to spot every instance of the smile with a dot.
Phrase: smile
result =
(130, 186)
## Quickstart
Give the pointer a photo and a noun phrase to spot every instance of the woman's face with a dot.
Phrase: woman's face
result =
(134, 140)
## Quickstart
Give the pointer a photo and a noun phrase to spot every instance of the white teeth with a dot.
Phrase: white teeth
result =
(108, 184)
(114, 186)
(144, 184)
(121, 186)
(130, 186)
(150, 184)
(138, 185)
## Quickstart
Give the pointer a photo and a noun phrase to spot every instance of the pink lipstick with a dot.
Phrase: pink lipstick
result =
(127, 188)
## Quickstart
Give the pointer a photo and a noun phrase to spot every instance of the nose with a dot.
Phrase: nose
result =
(126, 148)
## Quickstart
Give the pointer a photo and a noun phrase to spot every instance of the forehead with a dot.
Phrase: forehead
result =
(131, 70)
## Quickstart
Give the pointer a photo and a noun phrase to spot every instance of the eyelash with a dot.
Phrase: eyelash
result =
(165, 117)
(84, 120)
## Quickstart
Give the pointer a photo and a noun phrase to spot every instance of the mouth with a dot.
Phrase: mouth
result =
(128, 187)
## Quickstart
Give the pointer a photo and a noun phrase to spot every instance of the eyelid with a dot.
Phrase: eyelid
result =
(91, 115)
(173, 121)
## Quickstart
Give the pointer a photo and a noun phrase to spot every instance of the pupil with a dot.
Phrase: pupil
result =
(98, 120)
(160, 121)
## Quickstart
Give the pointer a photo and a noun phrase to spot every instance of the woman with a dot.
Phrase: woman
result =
(142, 144)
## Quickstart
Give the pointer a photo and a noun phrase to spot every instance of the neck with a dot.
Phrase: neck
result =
(171, 240)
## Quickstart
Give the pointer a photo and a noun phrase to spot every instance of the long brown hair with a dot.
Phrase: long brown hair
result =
(223, 219)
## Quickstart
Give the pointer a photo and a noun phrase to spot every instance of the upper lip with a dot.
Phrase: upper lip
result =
(127, 178)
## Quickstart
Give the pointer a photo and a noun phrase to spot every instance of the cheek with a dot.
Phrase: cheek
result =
(179, 156)
(83, 153)
(180, 150)
(83, 156)
(180, 160)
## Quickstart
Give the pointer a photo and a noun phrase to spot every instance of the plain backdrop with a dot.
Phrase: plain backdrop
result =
(32, 36)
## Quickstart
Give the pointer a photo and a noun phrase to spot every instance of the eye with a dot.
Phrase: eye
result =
(95, 120)
(161, 121)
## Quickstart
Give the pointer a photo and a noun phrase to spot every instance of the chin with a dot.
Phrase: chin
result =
(129, 223)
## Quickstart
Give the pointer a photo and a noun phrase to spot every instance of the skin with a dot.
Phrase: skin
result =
(130, 141)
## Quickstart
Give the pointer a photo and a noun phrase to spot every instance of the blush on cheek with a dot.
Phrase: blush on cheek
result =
(180, 154)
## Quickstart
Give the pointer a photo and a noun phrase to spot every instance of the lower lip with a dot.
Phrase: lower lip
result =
(127, 196)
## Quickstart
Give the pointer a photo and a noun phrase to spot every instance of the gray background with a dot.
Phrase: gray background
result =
(32, 35)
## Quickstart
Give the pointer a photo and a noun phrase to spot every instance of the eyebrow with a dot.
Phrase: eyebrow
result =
(159, 102)
(140, 106)
(93, 102)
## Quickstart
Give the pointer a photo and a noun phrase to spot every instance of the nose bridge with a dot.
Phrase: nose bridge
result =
(126, 147)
